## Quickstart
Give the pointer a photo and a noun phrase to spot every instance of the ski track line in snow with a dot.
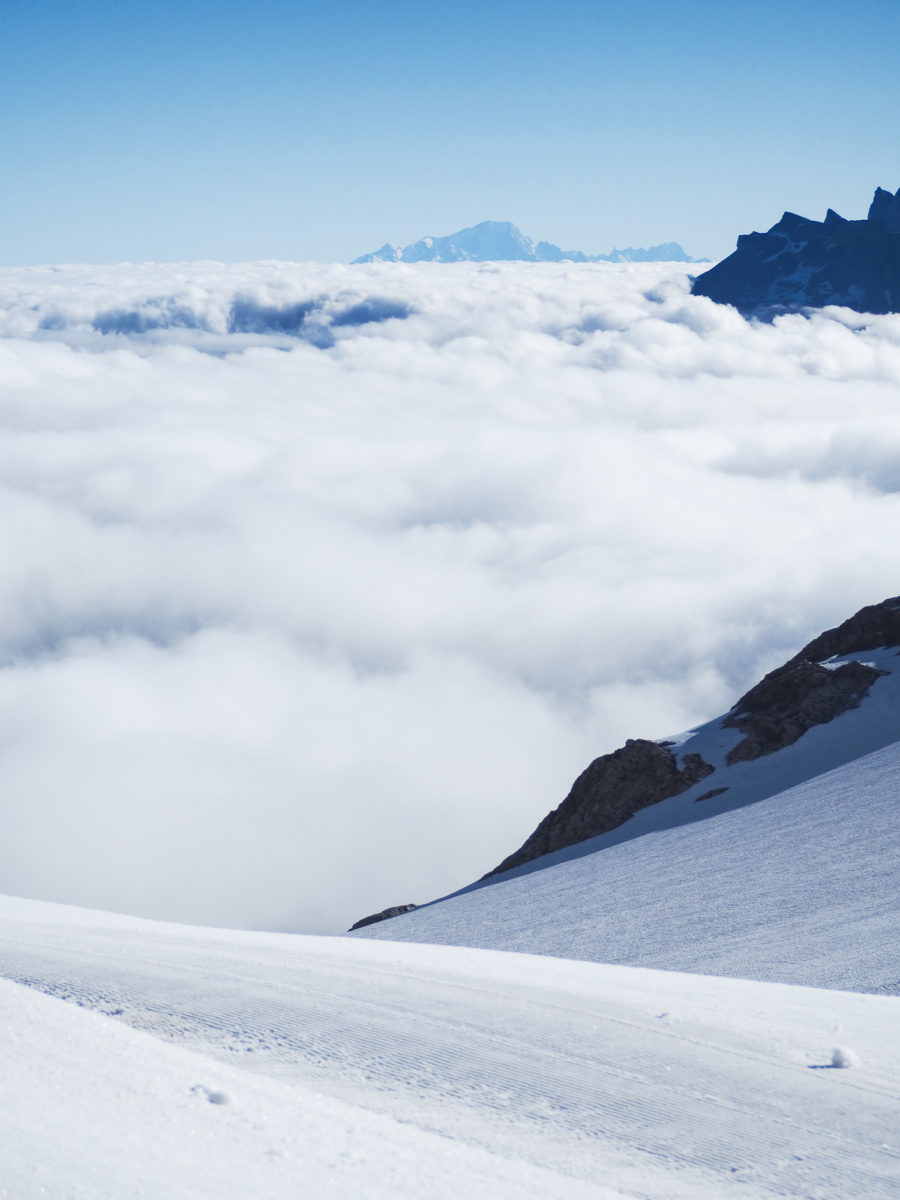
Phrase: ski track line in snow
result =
(530, 1072)
(164, 1122)
(225, 1021)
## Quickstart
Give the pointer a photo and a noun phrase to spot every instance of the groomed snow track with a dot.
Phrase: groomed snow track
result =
(593, 1080)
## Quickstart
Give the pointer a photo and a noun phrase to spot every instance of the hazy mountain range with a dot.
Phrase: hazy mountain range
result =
(501, 241)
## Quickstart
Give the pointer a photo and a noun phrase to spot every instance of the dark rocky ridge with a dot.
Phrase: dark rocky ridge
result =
(801, 263)
(775, 713)
(872, 627)
(384, 915)
(612, 789)
(791, 700)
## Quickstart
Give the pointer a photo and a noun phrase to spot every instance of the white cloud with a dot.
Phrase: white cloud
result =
(324, 614)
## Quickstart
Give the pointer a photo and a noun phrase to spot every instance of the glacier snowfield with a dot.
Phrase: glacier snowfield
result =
(143, 1059)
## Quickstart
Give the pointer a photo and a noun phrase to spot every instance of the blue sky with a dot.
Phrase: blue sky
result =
(163, 130)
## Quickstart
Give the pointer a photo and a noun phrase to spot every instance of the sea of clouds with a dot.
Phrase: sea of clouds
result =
(321, 583)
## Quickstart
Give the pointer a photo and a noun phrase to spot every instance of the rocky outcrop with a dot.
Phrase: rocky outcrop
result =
(612, 789)
(774, 714)
(872, 627)
(711, 794)
(791, 700)
(384, 915)
(801, 263)
(803, 693)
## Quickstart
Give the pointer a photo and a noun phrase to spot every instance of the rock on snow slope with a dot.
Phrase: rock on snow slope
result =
(779, 858)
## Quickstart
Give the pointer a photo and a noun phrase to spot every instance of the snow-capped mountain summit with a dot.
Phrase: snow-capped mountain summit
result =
(501, 241)
(489, 241)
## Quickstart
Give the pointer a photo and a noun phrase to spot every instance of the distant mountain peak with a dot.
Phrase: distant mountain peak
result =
(800, 263)
(502, 241)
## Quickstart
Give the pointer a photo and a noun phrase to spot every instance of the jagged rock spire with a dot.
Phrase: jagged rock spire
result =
(885, 208)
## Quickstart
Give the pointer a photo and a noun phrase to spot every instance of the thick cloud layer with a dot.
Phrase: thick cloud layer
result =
(322, 583)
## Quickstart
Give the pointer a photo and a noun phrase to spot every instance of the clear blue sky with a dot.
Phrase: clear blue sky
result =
(155, 129)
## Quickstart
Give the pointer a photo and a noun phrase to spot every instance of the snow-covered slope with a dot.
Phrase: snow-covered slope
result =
(803, 887)
(221, 1064)
(791, 872)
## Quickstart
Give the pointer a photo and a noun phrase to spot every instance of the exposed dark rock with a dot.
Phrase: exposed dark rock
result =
(612, 789)
(384, 915)
(802, 693)
(885, 210)
(874, 626)
(791, 700)
(710, 794)
(801, 263)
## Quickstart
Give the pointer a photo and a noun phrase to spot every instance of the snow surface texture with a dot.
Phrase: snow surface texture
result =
(296, 557)
(218, 1064)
